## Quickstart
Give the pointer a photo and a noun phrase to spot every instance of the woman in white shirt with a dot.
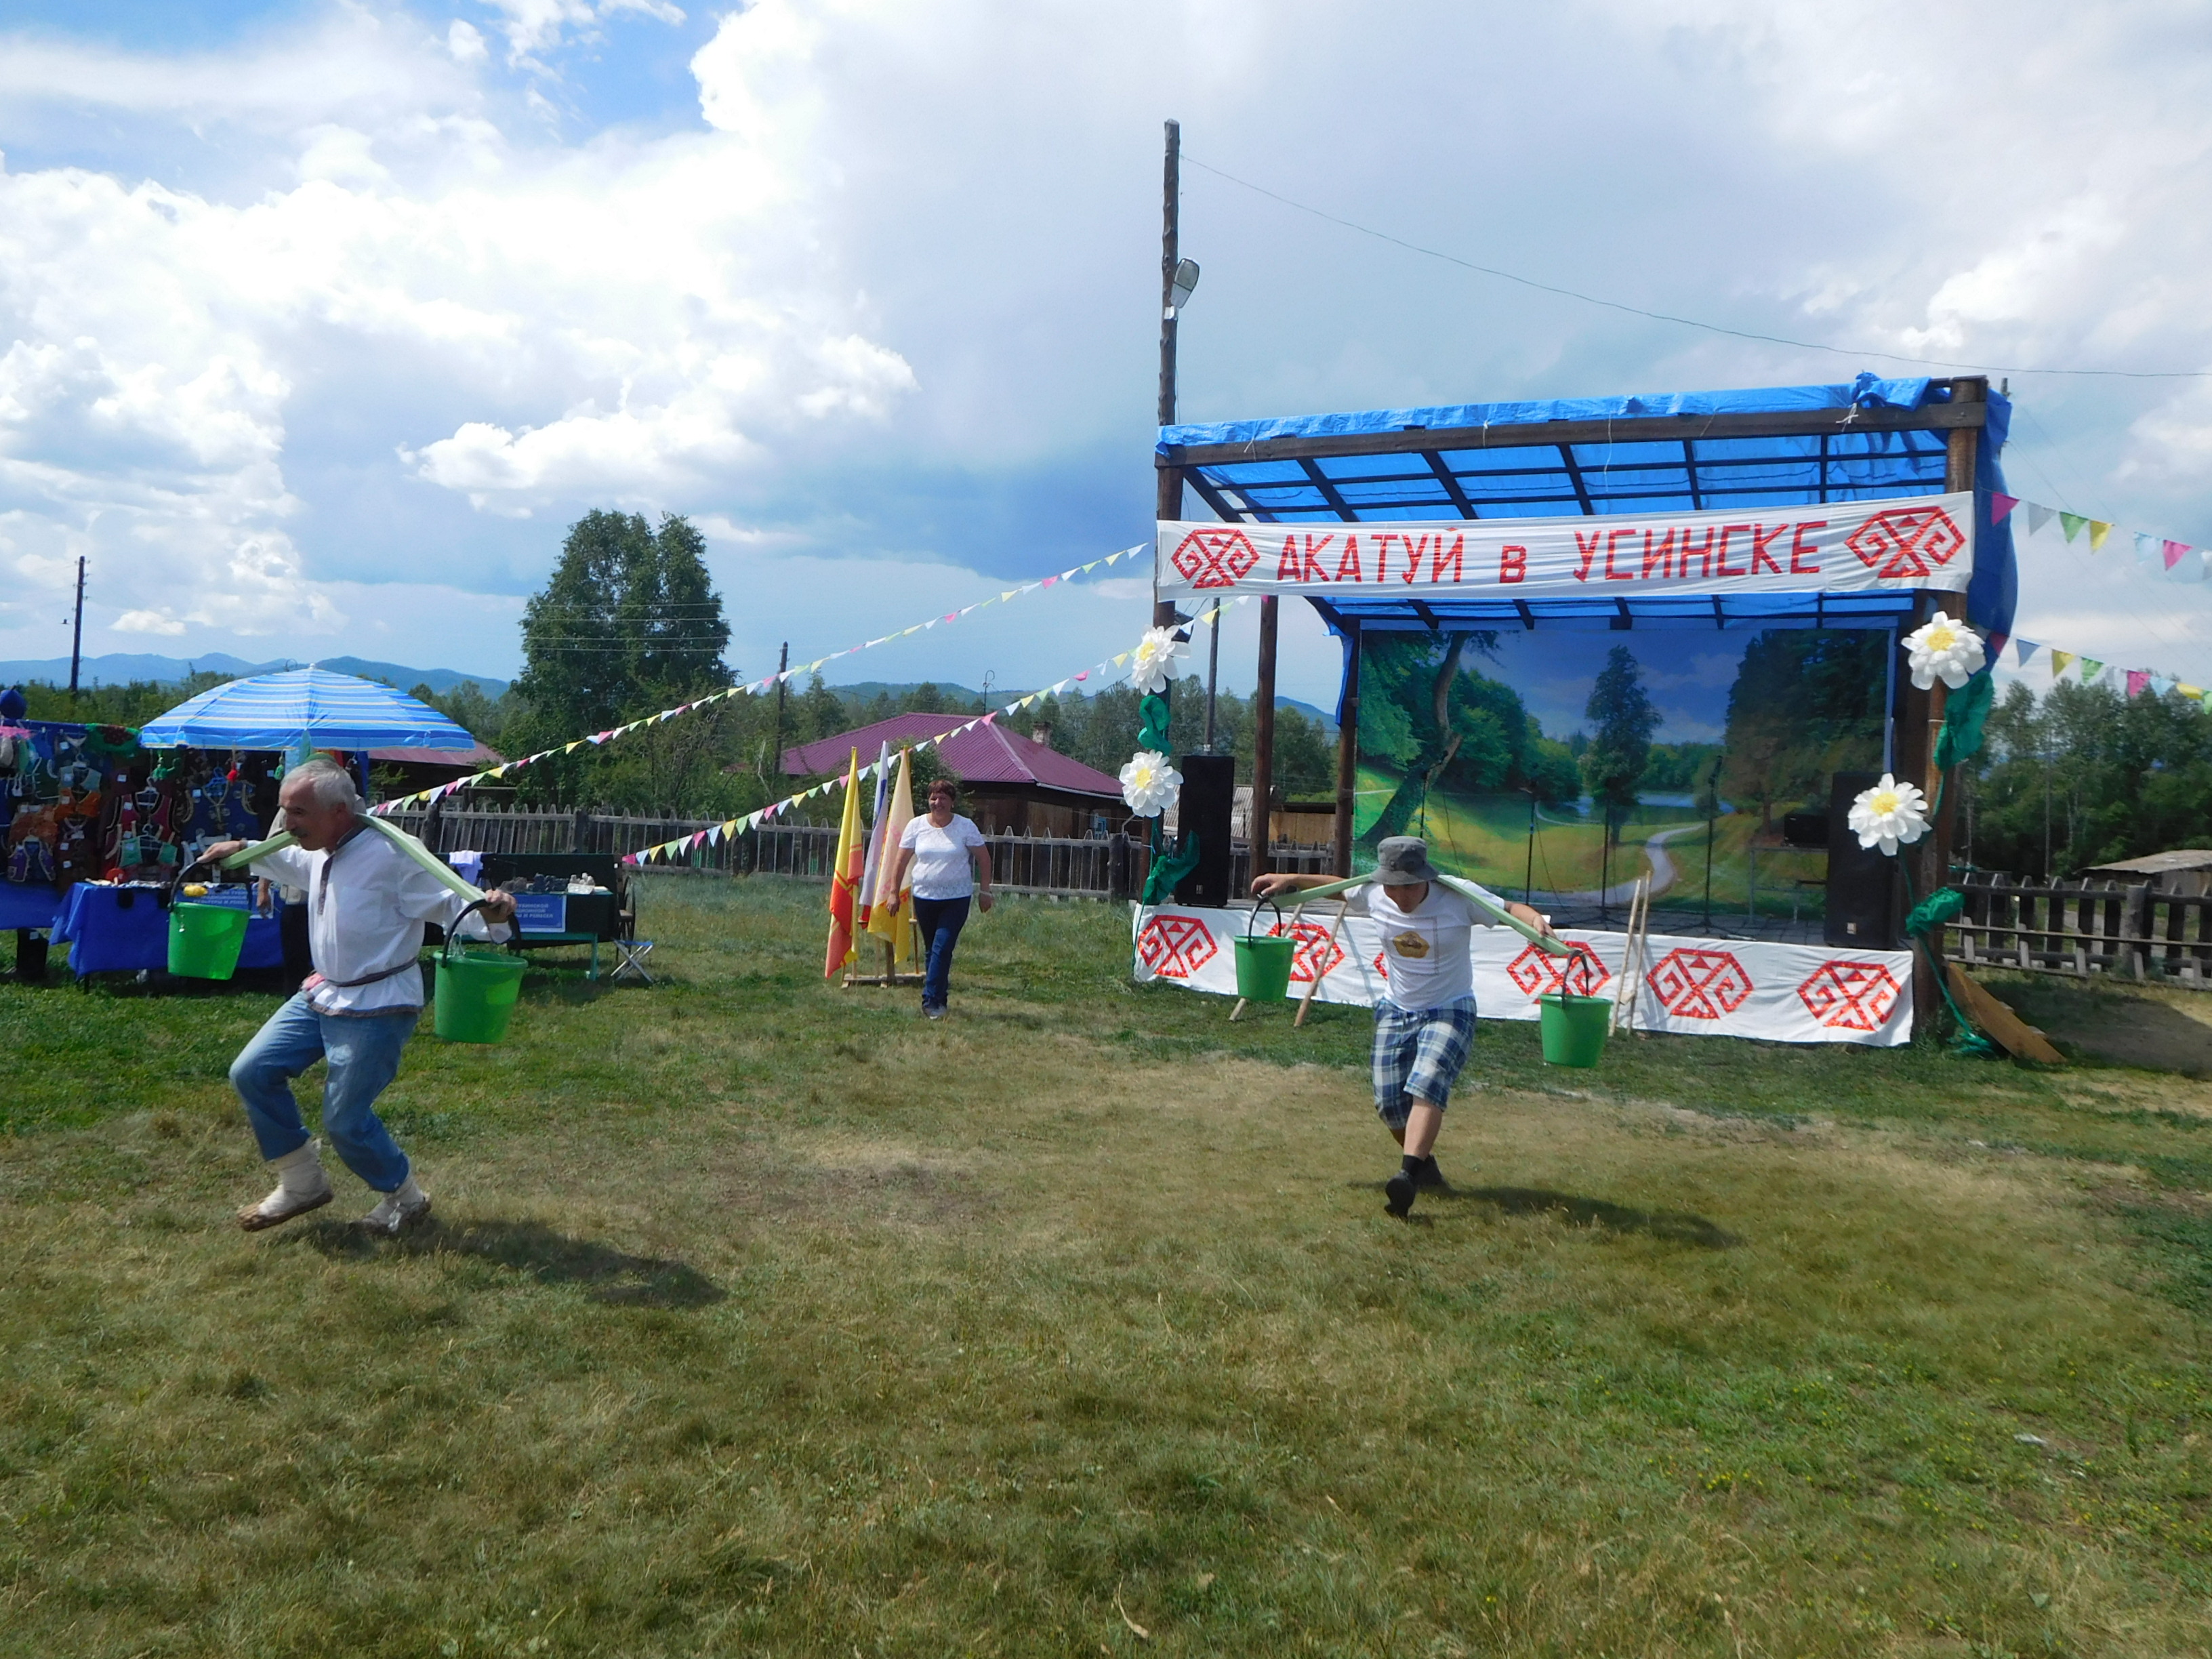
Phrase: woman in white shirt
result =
(939, 849)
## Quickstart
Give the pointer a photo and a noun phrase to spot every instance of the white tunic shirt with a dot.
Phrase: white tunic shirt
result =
(366, 903)
(1428, 950)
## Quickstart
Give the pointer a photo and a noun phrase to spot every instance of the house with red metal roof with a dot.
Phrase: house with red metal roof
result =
(1008, 782)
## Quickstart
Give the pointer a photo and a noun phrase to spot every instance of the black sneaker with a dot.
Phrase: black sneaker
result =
(1431, 1179)
(1398, 1193)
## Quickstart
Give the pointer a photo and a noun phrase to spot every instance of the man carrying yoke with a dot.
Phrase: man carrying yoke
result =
(1425, 1024)
(367, 905)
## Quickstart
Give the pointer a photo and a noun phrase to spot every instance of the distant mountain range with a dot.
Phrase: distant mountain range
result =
(120, 669)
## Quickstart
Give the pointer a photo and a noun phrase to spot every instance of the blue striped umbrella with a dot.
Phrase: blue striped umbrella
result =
(311, 705)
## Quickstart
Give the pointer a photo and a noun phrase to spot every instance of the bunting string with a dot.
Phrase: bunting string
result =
(716, 835)
(2089, 670)
(508, 768)
(2162, 555)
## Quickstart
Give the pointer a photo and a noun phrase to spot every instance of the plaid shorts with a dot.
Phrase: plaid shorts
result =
(1418, 1052)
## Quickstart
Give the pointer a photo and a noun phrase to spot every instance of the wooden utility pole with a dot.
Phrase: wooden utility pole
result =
(76, 636)
(775, 739)
(1919, 714)
(1347, 751)
(1260, 830)
(1167, 505)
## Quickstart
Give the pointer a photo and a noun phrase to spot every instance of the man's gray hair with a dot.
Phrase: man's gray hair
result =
(330, 784)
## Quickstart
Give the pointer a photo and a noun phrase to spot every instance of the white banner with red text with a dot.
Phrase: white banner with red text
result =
(1696, 987)
(1836, 547)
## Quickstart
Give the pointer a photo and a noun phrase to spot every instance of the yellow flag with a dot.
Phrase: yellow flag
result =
(883, 921)
(2098, 531)
(845, 875)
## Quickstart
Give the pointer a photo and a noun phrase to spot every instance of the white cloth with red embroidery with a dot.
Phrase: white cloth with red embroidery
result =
(1696, 987)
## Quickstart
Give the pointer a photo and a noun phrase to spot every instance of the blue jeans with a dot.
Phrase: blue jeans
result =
(940, 921)
(363, 1051)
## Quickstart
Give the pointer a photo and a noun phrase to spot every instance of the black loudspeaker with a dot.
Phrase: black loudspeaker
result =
(1209, 795)
(1861, 881)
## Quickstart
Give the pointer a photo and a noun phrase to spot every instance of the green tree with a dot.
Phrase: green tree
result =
(2083, 776)
(1613, 766)
(1806, 703)
(482, 717)
(628, 623)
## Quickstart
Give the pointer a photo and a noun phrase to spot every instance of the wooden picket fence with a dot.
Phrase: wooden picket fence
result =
(2085, 929)
(1107, 867)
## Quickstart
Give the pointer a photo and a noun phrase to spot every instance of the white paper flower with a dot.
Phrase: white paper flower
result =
(1943, 649)
(1152, 664)
(1889, 815)
(1149, 784)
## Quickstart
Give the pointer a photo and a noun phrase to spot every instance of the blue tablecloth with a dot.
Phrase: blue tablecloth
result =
(23, 905)
(121, 929)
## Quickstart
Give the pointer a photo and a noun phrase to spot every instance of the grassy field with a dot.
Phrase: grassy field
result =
(758, 1316)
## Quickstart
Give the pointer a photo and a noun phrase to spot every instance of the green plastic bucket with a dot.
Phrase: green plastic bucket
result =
(204, 940)
(1263, 963)
(475, 994)
(1574, 1028)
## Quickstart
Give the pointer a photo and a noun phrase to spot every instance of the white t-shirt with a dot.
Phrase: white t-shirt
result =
(940, 857)
(1428, 950)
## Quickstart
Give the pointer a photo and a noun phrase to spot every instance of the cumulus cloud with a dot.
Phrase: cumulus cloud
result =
(880, 282)
(534, 27)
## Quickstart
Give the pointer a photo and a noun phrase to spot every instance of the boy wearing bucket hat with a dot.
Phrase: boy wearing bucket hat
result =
(1425, 1023)
(367, 905)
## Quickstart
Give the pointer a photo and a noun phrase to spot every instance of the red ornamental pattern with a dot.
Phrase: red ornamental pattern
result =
(1313, 944)
(1175, 947)
(1540, 974)
(1215, 558)
(1693, 984)
(1907, 541)
(1849, 996)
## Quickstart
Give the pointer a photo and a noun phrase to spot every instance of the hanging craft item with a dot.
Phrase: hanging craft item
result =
(1153, 663)
(1889, 815)
(1150, 784)
(1943, 648)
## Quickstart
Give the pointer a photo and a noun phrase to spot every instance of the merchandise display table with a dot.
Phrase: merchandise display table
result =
(30, 906)
(123, 928)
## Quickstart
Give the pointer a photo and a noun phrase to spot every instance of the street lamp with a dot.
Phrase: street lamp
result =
(1180, 286)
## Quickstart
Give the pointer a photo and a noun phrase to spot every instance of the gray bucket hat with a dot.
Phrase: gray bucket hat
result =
(1403, 861)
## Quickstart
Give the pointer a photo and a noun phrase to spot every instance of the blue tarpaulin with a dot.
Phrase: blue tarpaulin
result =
(1635, 475)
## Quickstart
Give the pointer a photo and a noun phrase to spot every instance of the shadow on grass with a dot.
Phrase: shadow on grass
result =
(1674, 1226)
(606, 1274)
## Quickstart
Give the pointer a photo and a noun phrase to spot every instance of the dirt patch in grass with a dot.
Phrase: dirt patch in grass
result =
(2155, 1027)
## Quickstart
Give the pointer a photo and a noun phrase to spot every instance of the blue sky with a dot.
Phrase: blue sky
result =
(321, 320)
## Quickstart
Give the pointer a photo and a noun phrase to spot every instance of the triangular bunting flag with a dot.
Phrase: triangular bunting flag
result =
(2174, 551)
(2000, 506)
(2146, 549)
(2024, 649)
(2138, 682)
(2196, 693)
(2071, 522)
(2098, 531)
(2058, 661)
(2159, 685)
(2039, 516)
(2091, 667)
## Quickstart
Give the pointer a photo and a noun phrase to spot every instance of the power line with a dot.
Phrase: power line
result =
(1689, 322)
